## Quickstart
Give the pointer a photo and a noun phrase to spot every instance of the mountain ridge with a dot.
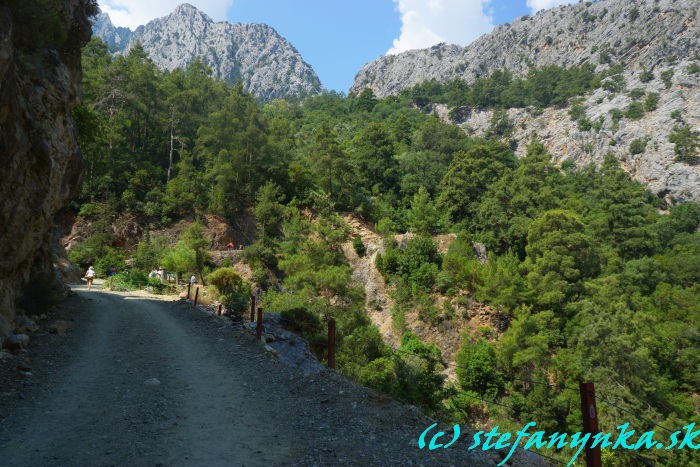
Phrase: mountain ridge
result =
(265, 63)
(661, 38)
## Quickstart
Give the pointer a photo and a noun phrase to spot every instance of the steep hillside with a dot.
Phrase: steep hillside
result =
(42, 164)
(255, 54)
(657, 45)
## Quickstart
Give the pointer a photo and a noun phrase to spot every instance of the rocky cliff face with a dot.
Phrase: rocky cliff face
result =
(116, 38)
(655, 166)
(635, 33)
(42, 165)
(658, 36)
(255, 54)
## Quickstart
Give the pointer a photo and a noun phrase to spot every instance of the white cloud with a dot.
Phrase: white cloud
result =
(134, 13)
(537, 5)
(426, 23)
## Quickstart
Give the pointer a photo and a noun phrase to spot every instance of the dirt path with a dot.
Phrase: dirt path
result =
(219, 398)
(108, 409)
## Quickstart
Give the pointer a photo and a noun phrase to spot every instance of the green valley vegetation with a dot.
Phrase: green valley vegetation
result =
(586, 279)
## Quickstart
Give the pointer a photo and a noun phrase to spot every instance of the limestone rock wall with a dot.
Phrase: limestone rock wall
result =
(639, 34)
(41, 163)
(655, 167)
(265, 63)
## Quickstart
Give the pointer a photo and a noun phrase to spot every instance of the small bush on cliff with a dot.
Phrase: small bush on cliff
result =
(359, 246)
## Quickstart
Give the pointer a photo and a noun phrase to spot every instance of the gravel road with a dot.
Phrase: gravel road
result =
(141, 381)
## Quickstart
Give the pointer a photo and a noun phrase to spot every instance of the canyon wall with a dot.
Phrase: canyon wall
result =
(42, 165)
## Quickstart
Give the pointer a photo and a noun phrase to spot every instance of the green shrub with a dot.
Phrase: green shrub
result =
(388, 265)
(476, 362)
(636, 93)
(638, 146)
(598, 125)
(687, 143)
(419, 250)
(429, 314)
(135, 280)
(693, 69)
(584, 124)
(652, 102)
(87, 210)
(398, 319)
(635, 111)
(577, 111)
(359, 246)
(301, 320)
(645, 76)
(234, 292)
(634, 13)
(667, 77)
(260, 276)
(110, 257)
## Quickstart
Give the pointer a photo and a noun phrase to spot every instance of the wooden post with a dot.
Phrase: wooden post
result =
(219, 309)
(189, 286)
(331, 344)
(252, 308)
(590, 422)
(140, 285)
(258, 329)
(196, 296)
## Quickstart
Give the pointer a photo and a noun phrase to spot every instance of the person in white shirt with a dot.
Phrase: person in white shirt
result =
(89, 276)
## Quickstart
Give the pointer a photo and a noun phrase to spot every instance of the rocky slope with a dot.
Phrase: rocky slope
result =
(658, 36)
(254, 54)
(42, 165)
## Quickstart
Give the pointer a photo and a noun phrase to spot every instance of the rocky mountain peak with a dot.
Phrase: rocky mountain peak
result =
(187, 11)
(265, 63)
(115, 37)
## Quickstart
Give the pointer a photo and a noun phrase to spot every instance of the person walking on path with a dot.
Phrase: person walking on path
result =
(89, 276)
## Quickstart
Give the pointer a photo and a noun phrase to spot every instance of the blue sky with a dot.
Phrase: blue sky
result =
(337, 37)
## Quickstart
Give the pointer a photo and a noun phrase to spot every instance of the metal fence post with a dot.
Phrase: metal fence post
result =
(590, 422)
(258, 329)
(196, 296)
(252, 308)
(331, 344)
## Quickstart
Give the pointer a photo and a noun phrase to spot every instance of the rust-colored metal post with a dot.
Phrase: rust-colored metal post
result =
(220, 309)
(252, 308)
(189, 286)
(140, 285)
(590, 422)
(331, 344)
(258, 329)
(196, 296)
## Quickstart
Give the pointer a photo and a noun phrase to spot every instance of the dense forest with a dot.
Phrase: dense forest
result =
(591, 281)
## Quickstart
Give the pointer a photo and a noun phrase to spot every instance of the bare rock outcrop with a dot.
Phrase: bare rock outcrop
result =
(39, 86)
(265, 63)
